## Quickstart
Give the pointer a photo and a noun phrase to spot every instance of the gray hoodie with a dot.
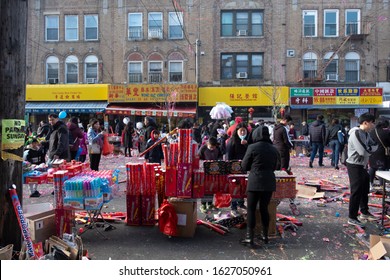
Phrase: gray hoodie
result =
(360, 151)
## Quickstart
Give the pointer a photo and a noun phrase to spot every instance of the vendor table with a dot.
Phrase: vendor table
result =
(385, 175)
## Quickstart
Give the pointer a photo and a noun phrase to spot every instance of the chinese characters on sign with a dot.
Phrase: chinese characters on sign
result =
(336, 96)
(153, 93)
(243, 96)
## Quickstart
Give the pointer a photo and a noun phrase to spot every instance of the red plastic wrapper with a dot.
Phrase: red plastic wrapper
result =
(222, 200)
(198, 186)
(170, 181)
(211, 184)
(64, 221)
(167, 219)
(133, 206)
(148, 210)
(184, 180)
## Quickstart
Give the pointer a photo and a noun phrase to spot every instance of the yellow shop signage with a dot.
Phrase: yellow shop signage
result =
(244, 96)
(68, 92)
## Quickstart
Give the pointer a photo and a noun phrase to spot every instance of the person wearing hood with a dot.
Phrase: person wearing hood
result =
(43, 129)
(58, 141)
(150, 125)
(317, 133)
(332, 139)
(75, 135)
(261, 160)
(282, 142)
(360, 147)
(155, 155)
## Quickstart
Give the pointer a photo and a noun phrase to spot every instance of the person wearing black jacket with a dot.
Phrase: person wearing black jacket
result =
(332, 139)
(155, 155)
(150, 125)
(282, 142)
(317, 133)
(58, 141)
(261, 160)
(76, 136)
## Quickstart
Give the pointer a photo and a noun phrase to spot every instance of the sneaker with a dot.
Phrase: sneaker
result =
(355, 222)
(368, 217)
(203, 208)
(35, 194)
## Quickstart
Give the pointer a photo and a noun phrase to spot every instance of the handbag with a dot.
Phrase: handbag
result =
(387, 149)
(94, 148)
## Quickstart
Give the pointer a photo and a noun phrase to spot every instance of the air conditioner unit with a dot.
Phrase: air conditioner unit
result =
(242, 75)
(91, 80)
(332, 77)
(154, 34)
(241, 33)
(53, 81)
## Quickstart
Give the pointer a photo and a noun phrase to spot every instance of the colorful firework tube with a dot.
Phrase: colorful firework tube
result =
(170, 181)
(194, 156)
(147, 204)
(198, 187)
(184, 180)
(223, 184)
(22, 221)
(165, 150)
(133, 209)
(234, 187)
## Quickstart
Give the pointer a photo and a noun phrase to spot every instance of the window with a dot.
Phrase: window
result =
(155, 27)
(310, 23)
(155, 71)
(71, 28)
(52, 63)
(91, 69)
(241, 66)
(242, 23)
(175, 25)
(52, 28)
(331, 71)
(352, 65)
(331, 23)
(91, 27)
(175, 71)
(309, 65)
(135, 71)
(71, 70)
(352, 22)
(135, 26)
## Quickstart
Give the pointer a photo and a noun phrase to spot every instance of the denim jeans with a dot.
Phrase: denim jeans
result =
(335, 146)
(317, 146)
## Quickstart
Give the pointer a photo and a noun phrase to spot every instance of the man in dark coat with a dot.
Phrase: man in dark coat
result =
(150, 125)
(332, 139)
(59, 140)
(261, 159)
(282, 142)
(317, 133)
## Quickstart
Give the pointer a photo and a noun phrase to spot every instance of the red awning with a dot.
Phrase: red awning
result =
(150, 111)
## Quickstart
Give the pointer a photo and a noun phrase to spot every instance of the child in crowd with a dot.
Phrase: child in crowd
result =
(34, 154)
(155, 155)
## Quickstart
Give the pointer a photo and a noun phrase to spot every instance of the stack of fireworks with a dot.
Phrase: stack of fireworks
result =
(237, 185)
(64, 217)
(83, 192)
(160, 185)
(285, 186)
(141, 193)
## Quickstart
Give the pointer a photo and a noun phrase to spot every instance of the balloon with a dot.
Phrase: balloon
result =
(126, 120)
(62, 115)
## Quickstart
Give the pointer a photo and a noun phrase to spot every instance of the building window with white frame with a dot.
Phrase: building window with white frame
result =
(135, 72)
(155, 71)
(71, 28)
(332, 70)
(52, 66)
(135, 26)
(241, 66)
(352, 21)
(331, 23)
(176, 25)
(91, 27)
(309, 23)
(155, 25)
(352, 66)
(91, 69)
(176, 71)
(52, 28)
(71, 70)
(310, 63)
(242, 23)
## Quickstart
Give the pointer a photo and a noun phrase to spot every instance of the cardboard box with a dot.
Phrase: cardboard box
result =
(186, 212)
(379, 247)
(272, 219)
(41, 225)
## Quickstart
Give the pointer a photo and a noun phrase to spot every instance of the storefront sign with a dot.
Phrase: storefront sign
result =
(12, 138)
(338, 97)
(67, 92)
(153, 93)
(243, 96)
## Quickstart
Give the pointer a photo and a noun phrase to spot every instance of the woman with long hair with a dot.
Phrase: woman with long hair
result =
(95, 140)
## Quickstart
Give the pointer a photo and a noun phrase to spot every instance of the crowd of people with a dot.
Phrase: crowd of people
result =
(263, 148)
